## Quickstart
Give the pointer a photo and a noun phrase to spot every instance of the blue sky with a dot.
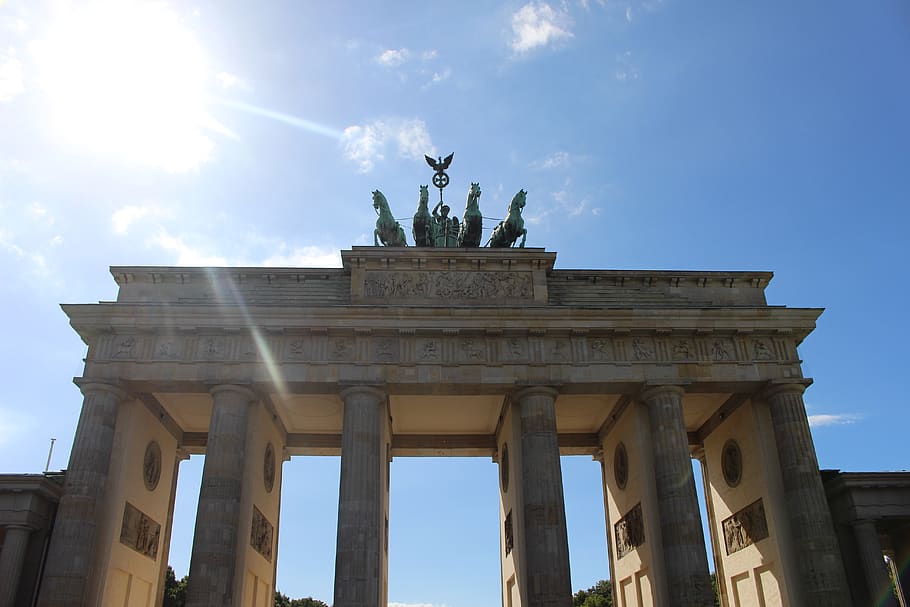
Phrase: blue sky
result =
(649, 135)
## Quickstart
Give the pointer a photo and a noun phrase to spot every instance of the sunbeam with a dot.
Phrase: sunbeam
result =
(300, 123)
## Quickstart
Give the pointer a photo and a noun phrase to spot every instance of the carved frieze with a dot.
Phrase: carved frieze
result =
(140, 532)
(168, 347)
(600, 349)
(125, 346)
(629, 531)
(448, 285)
(448, 346)
(261, 534)
(745, 527)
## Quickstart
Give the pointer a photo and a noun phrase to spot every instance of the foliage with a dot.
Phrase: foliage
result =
(282, 600)
(174, 591)
(598, 595)
(601, 594)
(175, 594)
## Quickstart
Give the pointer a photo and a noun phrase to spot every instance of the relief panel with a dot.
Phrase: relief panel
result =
(140, 532)
(448, 285)
(629, 532)
(261, 534)
(745, 527)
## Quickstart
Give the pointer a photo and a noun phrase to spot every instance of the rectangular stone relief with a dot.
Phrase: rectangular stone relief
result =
(745, 527)
(140, 532)
(448, 285)
(629, 531)
(261, 534)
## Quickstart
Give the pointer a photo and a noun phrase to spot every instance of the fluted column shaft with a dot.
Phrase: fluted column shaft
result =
(546, 540)
(11, 559)
(215, 541)
(685, 557)
(872, 559)
(822, 580)
(70, 558)
(359, 563)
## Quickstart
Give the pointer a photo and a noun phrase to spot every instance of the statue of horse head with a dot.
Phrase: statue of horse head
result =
(424, 198)
(473, 195)
(379, 200)
(518, 201)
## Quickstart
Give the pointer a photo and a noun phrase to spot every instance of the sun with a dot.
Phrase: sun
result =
(127, 78)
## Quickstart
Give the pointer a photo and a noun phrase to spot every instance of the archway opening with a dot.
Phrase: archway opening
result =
(444, 532)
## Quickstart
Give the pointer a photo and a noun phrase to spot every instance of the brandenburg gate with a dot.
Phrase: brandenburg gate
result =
(446, 352)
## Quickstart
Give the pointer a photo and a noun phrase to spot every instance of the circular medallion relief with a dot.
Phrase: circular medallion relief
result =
(151, 465)
(621, 466)
(731, 462)
(268, 468)
(504, 467)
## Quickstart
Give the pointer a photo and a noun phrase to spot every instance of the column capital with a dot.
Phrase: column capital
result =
(370, 389)
(242, 390)
(650, 390)
(524, 391)
(20, 527)
(90, 385)
(780, 386)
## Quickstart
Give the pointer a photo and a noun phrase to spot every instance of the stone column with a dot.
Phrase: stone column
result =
(822, 579)
(546, 541)
(71, 557)
(11, 559)
(181, 455)
(216, 538)
(685, 557)
(360, 564)
(872, 559)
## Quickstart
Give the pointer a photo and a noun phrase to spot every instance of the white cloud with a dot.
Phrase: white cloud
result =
(393, 57)
(123, 218)
(230, 81)
(538, 24)
(367, 144)
(629, 14)
(304, 257)
(415, 605)
(11, 81)
(832, 419)
(286, 256)
(440, 76)
(429, 55)
(556, 160)
(363, 145)
(187, 255)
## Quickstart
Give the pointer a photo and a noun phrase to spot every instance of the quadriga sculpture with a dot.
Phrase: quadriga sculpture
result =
(472, 220)
(423, 227)
(507, 232)
(387, 229)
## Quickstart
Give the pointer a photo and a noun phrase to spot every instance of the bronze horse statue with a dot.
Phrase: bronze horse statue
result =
(472, 220)
(423, 223)
(507, 232)
(387, 229)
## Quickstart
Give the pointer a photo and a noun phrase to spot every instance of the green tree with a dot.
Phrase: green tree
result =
(598, 595)
(174, 591)
(282, 600)
(601, 594)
